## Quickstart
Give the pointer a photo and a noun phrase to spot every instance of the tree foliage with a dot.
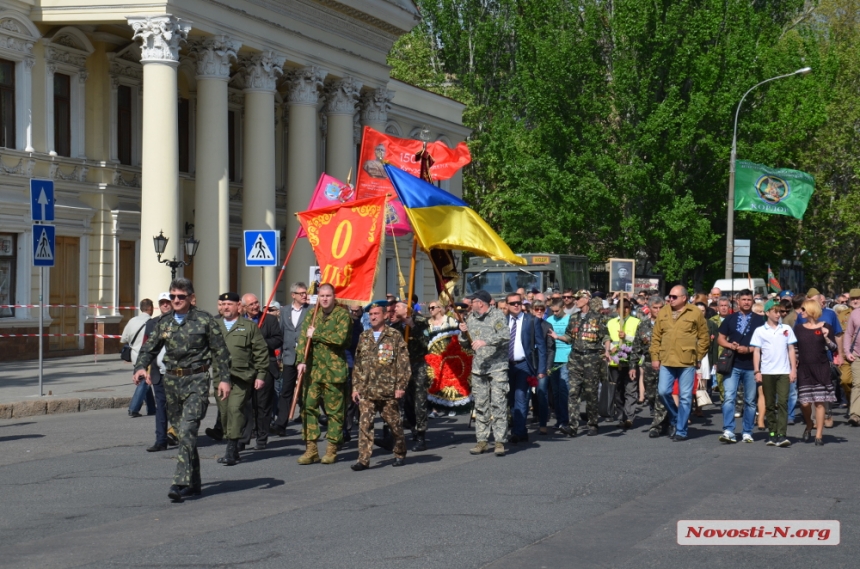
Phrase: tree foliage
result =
(604, 127)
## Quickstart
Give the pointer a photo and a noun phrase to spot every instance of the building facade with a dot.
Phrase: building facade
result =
(195, 118)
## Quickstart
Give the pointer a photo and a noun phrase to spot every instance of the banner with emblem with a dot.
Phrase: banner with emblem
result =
(329, 191)
(772, 190)
(346, 239)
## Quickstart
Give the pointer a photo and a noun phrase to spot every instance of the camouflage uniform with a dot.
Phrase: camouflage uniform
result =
(587, 333)
(641, 349)
(490, 383)
(326, 372)
(249, 360)
(192, 348)
(381, 369)
(415, 402)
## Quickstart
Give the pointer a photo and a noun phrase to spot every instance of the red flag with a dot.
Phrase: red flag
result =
(771, 280)
(346, 239)
(329, 191)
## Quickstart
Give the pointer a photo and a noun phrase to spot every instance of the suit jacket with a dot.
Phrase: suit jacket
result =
(274, 337)
(534, 343)
(550, 344)
(291, 333)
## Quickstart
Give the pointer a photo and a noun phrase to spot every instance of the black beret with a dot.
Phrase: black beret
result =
(483, 296)
(230, 296)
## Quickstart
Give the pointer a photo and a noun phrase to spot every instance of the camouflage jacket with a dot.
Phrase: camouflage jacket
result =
(197, 341)
(642, 341)
(491, 328)
(332, 335)
(249, 354)
(586, 332)
(419, 338)
(381, 367)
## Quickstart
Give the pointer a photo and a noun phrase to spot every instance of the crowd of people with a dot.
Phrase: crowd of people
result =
(531, 353)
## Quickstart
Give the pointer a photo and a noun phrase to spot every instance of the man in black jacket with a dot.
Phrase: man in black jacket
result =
(258, 410)
(292, 316)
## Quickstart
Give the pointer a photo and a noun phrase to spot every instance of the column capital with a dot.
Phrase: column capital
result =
(375, 105)
(261, 71)
(342, 96)
(305, 85)
(160, 37)
(213, 56)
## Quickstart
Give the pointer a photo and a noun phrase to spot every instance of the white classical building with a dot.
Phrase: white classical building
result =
(187, 117)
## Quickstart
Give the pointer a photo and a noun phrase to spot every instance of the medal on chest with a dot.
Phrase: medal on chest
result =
(385, 353)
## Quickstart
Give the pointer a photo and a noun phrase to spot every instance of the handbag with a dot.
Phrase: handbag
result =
(125, 353)
(726, 362)
(702, 397)
(606, 399)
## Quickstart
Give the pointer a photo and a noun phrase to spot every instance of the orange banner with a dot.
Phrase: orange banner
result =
(378, 148)
(346, 239)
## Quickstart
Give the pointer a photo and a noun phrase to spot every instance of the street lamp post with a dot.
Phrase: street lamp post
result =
(160, 243)
(730, 221)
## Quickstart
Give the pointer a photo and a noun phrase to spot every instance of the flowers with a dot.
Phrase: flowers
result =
(620, 352)
(785, 333)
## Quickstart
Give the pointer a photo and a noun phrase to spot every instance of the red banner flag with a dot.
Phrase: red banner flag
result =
(329, 191)
(378, 148)
(346, 239)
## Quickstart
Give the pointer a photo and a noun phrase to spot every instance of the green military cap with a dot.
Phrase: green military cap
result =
(855, 293)
(230, 296)
(812, 292)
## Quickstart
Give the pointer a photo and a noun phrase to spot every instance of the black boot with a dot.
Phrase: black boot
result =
(420, 443)
(230, 454)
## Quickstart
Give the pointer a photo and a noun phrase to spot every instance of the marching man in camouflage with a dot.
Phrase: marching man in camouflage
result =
(379, 379)
(486, 332)
(325, 372)
(642, 350)
(589, 339)
(249, 361)
(194, 345)
(415, 401)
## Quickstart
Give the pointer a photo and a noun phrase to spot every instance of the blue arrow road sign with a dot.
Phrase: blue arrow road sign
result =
(261, 248)
(42, 200)
(43, 246)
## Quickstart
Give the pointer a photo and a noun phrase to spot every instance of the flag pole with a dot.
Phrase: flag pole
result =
(278, 281)
(411, 282)
(298, 390)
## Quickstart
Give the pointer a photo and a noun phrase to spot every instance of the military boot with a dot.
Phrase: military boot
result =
(420, 443)
(311, 455)
(330, 454)
(230, 455)
(479, 448)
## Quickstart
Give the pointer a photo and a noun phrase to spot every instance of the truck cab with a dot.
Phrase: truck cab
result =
(543, 272)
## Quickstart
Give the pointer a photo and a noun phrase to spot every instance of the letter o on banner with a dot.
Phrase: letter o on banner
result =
(340, 243)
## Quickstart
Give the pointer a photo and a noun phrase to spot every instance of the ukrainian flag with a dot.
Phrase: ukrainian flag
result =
(441, 220)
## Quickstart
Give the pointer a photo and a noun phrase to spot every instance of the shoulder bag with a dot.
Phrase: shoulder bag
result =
(125, 354)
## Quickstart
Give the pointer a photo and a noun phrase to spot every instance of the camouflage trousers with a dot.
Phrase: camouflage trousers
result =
(187, 401)
(389, 409)
(415, 402)
(490, 394)
(658, 410)
(330, 396)
(584, 371)
(232, 409)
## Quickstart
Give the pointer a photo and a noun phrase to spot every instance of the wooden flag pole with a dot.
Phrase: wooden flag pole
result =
(278, 281)
(411, 283)
(298, 389)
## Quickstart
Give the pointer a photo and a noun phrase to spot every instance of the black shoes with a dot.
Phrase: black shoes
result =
(277, 431)
(260, 446)
(156, 448)
(215, 434)
(420, 444)
(190, 491)
(653, 432)
(134, 414)
(398, 462)
(518, 439)
(819, 443)
(680, 438)
(626, 424)
(672, 431)
(592, 431)
(231, 455)
(175, 493)
(172, 441)
(358, 467)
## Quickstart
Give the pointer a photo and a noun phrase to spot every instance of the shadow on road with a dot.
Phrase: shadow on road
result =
(227, 486)
(18, 437)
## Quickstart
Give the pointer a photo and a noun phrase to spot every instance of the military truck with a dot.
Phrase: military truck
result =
(543, 272)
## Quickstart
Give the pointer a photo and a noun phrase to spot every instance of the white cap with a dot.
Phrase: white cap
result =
(163, 296)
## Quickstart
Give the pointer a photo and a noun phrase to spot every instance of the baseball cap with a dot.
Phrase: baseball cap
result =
(582, 293)
(483, 296)
(275, 305)
(164, 296)
(785, 293)
(770, 304)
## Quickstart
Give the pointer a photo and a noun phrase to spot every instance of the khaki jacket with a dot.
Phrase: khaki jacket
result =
(682, 342)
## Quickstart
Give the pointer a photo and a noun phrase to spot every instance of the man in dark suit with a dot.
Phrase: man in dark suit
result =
(162, 436)
(526, 358)
(292, 317)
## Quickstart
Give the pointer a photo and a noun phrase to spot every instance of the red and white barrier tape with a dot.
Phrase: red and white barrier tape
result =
(67, 306)
(58, 335)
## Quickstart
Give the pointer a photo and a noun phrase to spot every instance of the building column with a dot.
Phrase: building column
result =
(305, 85)
(212, 179)
(261, 72)
(341, 100)
(159, 208)
(374, 113)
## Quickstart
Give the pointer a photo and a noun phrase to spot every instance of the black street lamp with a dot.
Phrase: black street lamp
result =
(160, 244)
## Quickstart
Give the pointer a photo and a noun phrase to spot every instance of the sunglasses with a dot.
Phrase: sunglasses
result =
(539, 309)
(432, 307)
(854, 298)
(567, 296)
(783, 311)
(178, 296)
(673, 297)
(515, 303)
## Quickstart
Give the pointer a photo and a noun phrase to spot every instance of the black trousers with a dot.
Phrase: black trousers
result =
(626, 391)
(258, 411)
(290, 376)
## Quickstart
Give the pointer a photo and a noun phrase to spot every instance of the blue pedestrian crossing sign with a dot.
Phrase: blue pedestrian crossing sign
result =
(42, 199)
(43, 246)
(261, 248)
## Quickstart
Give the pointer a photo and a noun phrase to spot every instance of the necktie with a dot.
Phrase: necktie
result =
(513, 340)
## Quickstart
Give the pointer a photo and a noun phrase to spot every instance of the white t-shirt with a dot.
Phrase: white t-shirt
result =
(774, 344)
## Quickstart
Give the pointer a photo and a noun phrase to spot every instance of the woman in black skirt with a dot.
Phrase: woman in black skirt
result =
(814, 339)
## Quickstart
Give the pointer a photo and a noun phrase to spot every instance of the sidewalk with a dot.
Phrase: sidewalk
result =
(76, 384)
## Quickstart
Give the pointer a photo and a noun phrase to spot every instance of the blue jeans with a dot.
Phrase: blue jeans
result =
(792, 399)
(730, 385)
(558, 381)
(518, 397)
(677, 414)
(160, 414)
(142, 392)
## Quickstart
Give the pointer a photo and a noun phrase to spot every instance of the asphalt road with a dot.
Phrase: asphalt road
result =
(79, 490)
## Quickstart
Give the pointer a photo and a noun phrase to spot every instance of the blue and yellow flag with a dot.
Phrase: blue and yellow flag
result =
(443, 221)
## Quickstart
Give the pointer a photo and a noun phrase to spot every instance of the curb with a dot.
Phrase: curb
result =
(56, 406)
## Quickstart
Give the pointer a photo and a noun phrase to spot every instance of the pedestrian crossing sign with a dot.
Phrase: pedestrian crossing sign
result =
(43, 245)
(261, 248)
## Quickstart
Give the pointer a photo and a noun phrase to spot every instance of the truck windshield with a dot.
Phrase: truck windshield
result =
(503, 282)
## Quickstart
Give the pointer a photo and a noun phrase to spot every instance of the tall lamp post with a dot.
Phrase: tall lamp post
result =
(730, 222)
(160, 243)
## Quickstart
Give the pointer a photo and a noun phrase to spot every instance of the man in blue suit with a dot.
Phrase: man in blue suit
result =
(526, 358)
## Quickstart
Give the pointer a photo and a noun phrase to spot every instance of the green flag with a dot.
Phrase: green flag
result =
(772, 190)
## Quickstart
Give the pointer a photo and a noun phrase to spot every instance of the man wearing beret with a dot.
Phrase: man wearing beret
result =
(249, 362)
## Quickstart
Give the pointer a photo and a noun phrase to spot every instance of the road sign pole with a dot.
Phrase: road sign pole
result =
(41, 322)
(262, 274)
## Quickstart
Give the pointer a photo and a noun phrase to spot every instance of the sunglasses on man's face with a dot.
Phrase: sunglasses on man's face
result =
(539, 309)
(514, 303)
(178, 296)
(432, 307)
(673, 297)
(567, 296)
